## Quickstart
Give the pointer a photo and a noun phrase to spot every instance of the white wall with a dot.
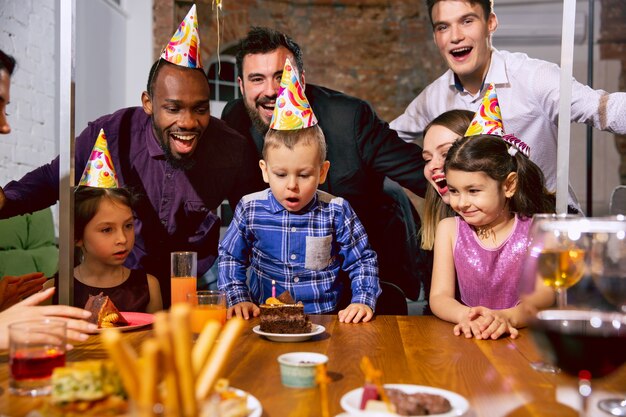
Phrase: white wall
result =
(529, 26)
(32, 140)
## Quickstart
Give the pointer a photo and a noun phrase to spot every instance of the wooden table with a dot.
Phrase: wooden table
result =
(495, 376)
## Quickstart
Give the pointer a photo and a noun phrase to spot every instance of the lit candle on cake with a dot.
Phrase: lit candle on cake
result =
(274, 288)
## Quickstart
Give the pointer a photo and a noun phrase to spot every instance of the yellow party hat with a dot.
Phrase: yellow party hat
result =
(184, 47)
(292, 110)
(99, 171)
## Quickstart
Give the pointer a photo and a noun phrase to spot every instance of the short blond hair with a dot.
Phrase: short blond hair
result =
(290, 138)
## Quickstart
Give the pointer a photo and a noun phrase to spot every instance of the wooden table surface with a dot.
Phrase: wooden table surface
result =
(495, 376)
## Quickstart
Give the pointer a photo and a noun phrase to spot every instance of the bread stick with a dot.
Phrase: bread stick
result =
(125, 359)
(204, 343)
(181, 336)
(163, 335)
(149, 376)
(211, 370)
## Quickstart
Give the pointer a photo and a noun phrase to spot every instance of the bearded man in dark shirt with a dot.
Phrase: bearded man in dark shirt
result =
(364, 153)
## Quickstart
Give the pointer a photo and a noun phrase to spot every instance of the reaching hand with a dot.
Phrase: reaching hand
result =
(245, 310)
(14, 289)
(356, 312)
(77, 327)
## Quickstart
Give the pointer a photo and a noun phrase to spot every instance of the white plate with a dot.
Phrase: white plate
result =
(351, 401)
(295, 337)
(254, 405)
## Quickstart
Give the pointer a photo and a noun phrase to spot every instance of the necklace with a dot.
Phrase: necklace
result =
(484, 232)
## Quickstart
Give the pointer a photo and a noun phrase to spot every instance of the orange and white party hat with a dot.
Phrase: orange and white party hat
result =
(99, 171)
(487, 120)
(184, 47)
(292, 110)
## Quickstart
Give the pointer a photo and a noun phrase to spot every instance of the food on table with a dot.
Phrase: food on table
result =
(103, 312)
(226, 402)
(284, 315)
(91, 388)
(404, 404)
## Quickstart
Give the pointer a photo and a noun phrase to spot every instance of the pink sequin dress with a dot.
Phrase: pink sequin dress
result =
(490, 277)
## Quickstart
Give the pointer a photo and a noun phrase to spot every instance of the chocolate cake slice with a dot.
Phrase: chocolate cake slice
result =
(103, 312)
(279, 317)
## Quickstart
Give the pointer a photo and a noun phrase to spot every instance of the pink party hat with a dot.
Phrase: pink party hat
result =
(99, 171)
(487, 120)
(292, 110)
(184, 47)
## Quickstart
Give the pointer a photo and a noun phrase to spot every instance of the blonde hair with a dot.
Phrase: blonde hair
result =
(290, 138)
(434, 208)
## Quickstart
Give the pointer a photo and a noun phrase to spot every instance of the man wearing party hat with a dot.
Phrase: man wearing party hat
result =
(495, 189)
(322, 232)
(102, 251)
(368, 159)
(181, 162)
(528, 88)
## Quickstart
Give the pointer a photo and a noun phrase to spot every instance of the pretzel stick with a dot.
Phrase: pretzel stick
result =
(150, 375)
(374, 376)
(321, 377)
(163, 335)
(211, 370)
(202, 348)
(125, 359)
(181, 332)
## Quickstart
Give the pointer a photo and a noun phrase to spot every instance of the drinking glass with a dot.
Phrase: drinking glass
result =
(183, 275)
(589, 343)
(36, 347)
(206, 305)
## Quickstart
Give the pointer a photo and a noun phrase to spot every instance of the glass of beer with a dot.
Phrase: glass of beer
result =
(184, 275)
(206, 305)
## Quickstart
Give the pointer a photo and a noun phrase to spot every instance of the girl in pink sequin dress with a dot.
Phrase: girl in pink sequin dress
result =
(495, 189)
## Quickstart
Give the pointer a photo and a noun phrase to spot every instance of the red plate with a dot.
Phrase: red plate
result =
(136, 320)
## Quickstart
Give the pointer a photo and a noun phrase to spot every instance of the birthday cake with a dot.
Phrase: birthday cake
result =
(283, 315)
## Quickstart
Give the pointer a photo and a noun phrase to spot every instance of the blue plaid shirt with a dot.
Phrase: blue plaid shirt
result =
(303, 252)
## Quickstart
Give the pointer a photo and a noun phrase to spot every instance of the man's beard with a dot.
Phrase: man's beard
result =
(184, 162)
(258, 122)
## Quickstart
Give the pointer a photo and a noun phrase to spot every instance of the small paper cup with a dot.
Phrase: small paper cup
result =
(297, 369)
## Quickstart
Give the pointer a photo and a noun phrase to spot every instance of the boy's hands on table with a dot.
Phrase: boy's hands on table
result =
(355, 313)
(244, 310)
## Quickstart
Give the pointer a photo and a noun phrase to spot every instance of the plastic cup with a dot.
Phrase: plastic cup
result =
(36, 347)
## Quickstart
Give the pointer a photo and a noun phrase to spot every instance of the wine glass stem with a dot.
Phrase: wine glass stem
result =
(561, 297)
(584, 389)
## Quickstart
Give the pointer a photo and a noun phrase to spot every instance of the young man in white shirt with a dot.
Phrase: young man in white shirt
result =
(528, 89)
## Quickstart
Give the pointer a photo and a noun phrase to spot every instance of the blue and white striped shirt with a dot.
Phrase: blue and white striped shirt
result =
(303, 252)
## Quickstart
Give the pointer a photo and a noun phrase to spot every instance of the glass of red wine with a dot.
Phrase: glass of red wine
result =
(36, 347)
(584, 341)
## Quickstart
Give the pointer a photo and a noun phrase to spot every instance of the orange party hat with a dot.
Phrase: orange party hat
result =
(487, 120)
(292, 110)
(184, 47)
(99, 171)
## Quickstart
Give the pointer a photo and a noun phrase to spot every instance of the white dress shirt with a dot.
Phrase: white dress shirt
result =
(528, 94)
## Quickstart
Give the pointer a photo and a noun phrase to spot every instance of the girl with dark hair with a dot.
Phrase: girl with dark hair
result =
(104, 235)
(495, 189)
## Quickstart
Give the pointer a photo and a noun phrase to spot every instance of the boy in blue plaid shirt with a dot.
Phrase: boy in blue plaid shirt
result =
(292, 233)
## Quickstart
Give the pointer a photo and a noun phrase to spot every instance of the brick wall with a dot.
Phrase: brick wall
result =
(379, 50)
(27, 32)
(613, 46)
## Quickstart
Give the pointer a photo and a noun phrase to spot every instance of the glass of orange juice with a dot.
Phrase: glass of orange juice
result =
(206, 305)
(184, 275)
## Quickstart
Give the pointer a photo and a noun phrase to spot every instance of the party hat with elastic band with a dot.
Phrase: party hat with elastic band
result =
(488, 121)
(184, 47)
(292, 110)
(99, 171)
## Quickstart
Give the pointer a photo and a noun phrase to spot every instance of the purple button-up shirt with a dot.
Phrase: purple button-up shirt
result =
(173, 212)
